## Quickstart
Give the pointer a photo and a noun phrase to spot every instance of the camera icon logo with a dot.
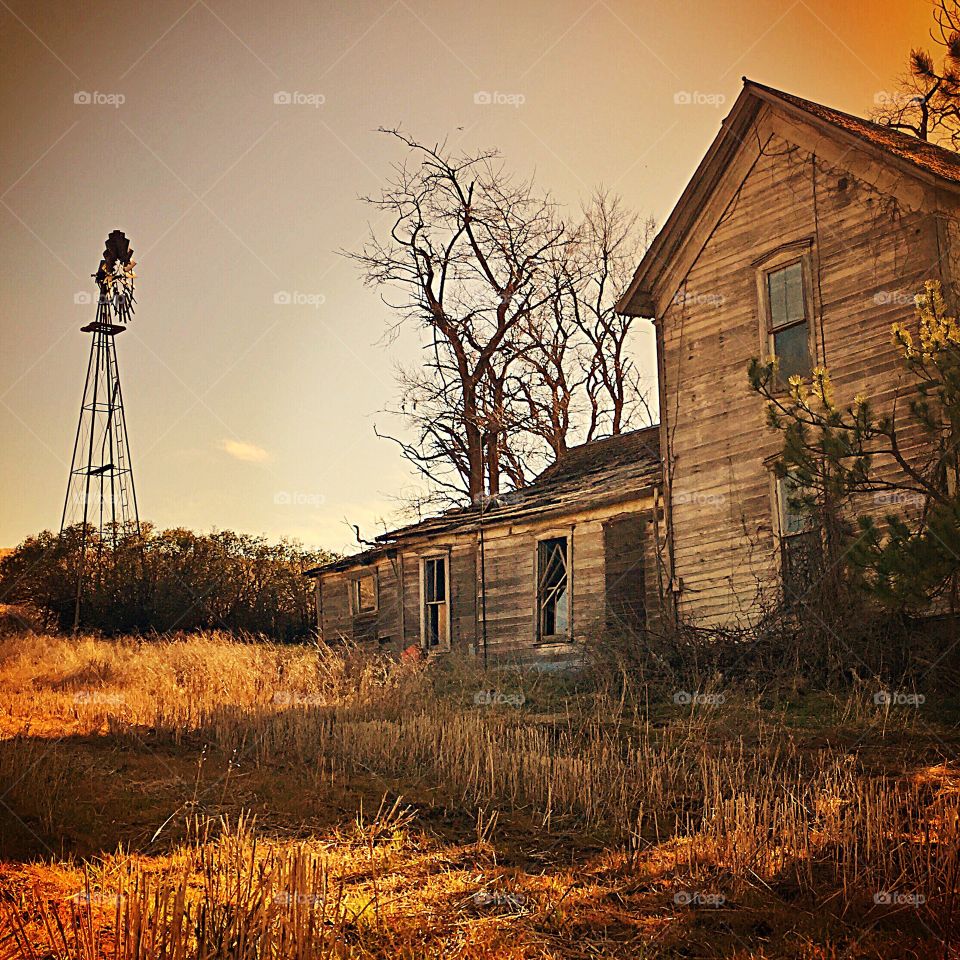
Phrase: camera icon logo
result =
(282, 97)
(82, 97)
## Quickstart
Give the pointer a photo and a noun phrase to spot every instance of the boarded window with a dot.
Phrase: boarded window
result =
(435, 603)
(623, 552)
(789, 321)
(553, 593)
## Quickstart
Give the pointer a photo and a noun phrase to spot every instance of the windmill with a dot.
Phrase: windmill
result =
(100, 490)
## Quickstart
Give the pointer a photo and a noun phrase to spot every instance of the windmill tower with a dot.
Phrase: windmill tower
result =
(100, 491)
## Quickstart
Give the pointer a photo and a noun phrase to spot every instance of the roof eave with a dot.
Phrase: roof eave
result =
(473, 521)
(886, 156)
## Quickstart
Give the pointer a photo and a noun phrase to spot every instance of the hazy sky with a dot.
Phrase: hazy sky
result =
(257, 415)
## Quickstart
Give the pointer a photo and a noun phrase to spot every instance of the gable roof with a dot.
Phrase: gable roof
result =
(592, 473)
(923, 160)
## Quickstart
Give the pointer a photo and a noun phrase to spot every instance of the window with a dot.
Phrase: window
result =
(436, 608)
(553, 593)
(794, 519)
(788, 321)
(801, 558)
(363, 594)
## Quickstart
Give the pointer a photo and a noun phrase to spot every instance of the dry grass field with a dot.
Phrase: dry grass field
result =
(196, 797)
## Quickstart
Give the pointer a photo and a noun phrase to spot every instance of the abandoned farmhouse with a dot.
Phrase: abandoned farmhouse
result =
(803, 235)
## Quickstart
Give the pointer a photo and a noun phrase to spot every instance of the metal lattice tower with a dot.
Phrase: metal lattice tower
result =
(100, 490)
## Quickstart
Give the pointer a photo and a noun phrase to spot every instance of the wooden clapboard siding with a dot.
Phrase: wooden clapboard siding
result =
(509, 552)
(870, 248)
(336, 620)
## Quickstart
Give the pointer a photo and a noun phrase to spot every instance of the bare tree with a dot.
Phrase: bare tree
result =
(926, 102)
(523, 349)
(609, 245)
(469, 249)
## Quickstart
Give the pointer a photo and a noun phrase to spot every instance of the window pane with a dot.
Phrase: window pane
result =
(776, 287)
(435, 580)
(791, 348)
(793, 276)
(785, 288)
(562, 613)
(441, 629)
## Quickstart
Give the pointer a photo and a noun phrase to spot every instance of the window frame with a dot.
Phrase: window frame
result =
(781, 499)
(539, 636)
(771, 263)
(353, 588)
(443, 645)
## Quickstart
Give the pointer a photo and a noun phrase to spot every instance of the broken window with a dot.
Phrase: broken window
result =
(794, 511)
(364, 594)
(553, 592)
(799, 541)
(789, 327)
(436, 620)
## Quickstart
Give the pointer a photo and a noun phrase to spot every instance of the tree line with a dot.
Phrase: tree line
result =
(164, 581)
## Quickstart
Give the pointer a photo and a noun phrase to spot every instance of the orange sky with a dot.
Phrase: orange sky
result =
(255, 415)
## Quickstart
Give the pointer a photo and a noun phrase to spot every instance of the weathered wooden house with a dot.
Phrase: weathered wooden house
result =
(527, 576)
(804, 234)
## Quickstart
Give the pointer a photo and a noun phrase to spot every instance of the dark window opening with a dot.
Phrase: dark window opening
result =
(435, 602)
(799, 542)
(623, 550)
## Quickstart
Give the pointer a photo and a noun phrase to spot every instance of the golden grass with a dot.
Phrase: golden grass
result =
(573, 820)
